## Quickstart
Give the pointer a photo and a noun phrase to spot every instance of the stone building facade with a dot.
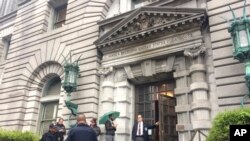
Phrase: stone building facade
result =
(169, 60)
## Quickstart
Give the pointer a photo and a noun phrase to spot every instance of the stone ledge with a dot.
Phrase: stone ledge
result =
(123, 101)
(123, 85)
(199, 86)
(183, 108)
(179, 74)
(108, 84)
(181, 91)
(197, 68)
(184, 127)
(124, 117)
(202, 104)
(107, 101)
(202, 124)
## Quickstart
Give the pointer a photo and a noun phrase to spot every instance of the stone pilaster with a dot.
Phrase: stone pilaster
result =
(200, 105)
(106, 97)
(117, 95)
(183, 107)
(123, 105)
(107, 86)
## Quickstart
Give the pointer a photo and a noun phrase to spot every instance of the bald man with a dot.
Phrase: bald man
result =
(82, 132)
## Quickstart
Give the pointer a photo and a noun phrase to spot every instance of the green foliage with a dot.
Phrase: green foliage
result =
(220, 128)
(7, 135)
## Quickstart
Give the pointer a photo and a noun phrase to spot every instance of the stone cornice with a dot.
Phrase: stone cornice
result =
(126, 14)
(8, 16)
(150, 20)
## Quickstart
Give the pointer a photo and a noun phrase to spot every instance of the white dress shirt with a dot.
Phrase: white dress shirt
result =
(139, 126)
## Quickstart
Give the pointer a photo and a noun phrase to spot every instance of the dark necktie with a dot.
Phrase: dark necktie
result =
(139, 130)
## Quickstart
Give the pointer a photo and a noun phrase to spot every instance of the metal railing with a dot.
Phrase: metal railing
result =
(200, 133)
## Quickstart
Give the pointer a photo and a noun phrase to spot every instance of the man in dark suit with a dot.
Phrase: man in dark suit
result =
(140, 129)
(82, 132)
(50, 135)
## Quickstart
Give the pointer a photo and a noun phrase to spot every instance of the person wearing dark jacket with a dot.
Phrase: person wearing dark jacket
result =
(110, 129)
(50, 135)
(140, 129)
(94, 126)
(82, 132)
(61, 130)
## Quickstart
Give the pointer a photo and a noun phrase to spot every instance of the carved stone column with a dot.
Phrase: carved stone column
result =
(200, 106)
(123, 104)
(183, 107)
(107, 97)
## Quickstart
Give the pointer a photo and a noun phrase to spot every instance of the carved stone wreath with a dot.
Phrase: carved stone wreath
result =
(195, 51)
(105, 71)
(143, 22)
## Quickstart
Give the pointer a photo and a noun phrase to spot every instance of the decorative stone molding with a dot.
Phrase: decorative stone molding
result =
(202, 124)
(197, 68)
(147, 21)
(195, 51)
(102, 71)
(199, 86)
(201, 104)
(129, 72)
(182, 73)
(182, 108)
(120, 75)
(181, 91)
(183, 127)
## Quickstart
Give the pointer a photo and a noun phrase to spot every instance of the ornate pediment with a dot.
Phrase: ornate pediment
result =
(148, 21)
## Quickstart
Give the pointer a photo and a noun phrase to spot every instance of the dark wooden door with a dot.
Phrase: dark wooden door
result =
(167, 118)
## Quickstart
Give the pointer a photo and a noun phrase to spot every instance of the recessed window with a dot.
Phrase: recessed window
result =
(49, 103)
(49, 114)
(58, 10)
(4, 48)
(60, 16)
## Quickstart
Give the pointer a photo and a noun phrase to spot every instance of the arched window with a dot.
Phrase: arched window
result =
(49, 103)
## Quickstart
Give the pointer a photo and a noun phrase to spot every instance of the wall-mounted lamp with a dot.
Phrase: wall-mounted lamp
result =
(240, 33)
(71, 73)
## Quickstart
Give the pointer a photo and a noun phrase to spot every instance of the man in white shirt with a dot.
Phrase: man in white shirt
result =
(140, 129)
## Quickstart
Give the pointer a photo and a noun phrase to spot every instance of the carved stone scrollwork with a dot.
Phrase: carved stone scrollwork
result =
(195, 51)
(105, 71)
(120, 75)
(143, 22)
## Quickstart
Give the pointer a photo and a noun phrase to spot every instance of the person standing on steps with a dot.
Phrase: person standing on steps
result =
(140, 129)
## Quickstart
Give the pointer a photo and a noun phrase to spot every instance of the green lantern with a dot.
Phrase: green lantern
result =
(71, 73)
(240, 33)
(70, 79)
(241, 38)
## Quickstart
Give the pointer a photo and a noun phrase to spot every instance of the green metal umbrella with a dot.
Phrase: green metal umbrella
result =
(105, 117)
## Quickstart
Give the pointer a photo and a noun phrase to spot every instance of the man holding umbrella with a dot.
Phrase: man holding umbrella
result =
(110, 126)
